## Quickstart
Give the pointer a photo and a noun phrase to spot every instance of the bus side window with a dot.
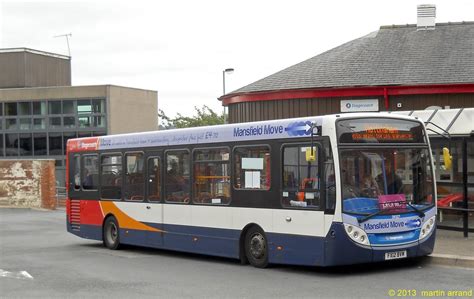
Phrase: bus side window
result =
(177, 183)
(154, 179)
(252, 168)
(77, 172)
(90, 172)
(111, 176)
(211, 176)
(134, 186)
(301, 181)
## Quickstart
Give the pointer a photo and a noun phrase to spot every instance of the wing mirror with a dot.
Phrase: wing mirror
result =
(447, 158)
(311, 154)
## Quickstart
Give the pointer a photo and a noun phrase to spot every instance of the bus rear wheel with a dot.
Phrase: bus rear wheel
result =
(111, 233)
(256, 248)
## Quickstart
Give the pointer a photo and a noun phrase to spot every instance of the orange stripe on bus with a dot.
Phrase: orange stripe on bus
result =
(124, 220)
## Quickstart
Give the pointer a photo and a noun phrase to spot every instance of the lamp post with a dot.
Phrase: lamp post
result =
(226, 71)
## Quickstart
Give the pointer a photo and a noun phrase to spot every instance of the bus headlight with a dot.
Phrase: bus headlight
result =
(427, 227)
(356, 234)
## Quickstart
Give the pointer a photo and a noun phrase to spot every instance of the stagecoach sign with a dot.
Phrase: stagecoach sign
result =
(360, 105)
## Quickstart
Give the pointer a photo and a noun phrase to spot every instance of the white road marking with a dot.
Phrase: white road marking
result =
(17, 275)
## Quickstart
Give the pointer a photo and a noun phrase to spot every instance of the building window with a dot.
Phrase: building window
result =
(55, 122)
(177, 177)
(252, 168)
(69, 122)
(39, 108)
(26, 145)
(25, 123)
(39, 141)
(154, 179)
(39, 123)
(1, 146)
(55, 144)
(10, 124)
(1, 109)
(10, 109)
(111, 176)
(134, 187)
(90, 172)
(300, 181)
(24, 108)
(55, 107)
(84, 121)
(98, 106)
(68, 107)
(211, 176)
(99, 121)
(84, 107)
(11, 144)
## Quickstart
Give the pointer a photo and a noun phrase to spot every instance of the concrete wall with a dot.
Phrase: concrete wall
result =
(51, 93)
(28, 183)
(131, 110)
(31, 68)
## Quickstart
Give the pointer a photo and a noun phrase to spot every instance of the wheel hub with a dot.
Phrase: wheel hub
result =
(257, 246)
(113, 232)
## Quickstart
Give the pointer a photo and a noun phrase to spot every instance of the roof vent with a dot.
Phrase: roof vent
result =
(426, 14)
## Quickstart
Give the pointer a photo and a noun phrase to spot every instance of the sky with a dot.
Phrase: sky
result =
(181, 47)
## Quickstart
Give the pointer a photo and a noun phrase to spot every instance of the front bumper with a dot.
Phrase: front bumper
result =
(341, 250)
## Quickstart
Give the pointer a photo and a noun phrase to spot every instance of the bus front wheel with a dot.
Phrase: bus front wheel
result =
(111, 233)
(256, 248)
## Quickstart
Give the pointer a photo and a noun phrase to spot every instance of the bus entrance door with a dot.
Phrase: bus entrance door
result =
(154, 207)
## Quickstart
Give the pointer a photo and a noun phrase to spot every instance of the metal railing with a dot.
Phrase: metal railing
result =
(60, 194)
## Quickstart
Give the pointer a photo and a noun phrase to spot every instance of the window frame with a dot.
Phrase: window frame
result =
(322, 184)
(144, 171)
(234, 168)
(229, 162)
(78, 155)
(165, 153)
(100, 175)
(83, 168)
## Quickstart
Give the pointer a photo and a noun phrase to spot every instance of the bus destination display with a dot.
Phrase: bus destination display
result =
(379, 130)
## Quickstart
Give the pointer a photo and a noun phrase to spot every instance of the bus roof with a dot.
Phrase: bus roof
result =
(262, 130)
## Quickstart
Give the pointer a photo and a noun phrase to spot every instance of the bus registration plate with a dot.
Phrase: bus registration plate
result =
(395, 255)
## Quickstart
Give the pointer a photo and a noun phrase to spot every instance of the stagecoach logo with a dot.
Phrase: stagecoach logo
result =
(88, 145)
(360, 105)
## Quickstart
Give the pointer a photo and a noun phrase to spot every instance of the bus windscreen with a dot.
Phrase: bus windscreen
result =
(379, 130)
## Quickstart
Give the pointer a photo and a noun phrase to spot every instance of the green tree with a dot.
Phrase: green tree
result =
(203, 116)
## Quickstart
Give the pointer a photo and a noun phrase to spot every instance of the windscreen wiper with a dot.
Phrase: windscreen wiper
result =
(420, 213)
(364, 219)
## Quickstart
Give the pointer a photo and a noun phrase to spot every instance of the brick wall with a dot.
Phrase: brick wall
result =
(28, 183)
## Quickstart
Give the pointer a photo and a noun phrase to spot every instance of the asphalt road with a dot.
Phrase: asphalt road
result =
(63, 265)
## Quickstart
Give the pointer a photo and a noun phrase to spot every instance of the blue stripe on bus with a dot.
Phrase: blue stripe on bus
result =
(334, 249)
(382, 239)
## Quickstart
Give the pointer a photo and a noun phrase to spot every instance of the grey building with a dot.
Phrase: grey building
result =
(40, 110)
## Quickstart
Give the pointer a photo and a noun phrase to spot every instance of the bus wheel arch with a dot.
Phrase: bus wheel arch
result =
(111, 232)
(253, 237)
